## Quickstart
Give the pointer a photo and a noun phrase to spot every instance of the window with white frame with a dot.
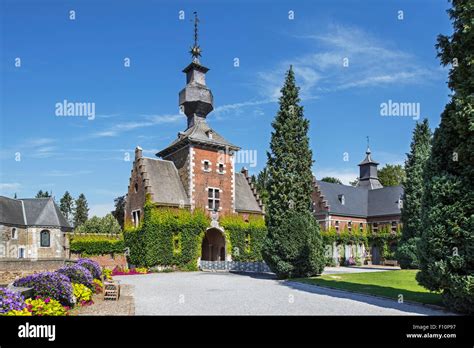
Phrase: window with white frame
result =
(213, 198)
(14, 233)
(45, 239)
(336, 224)
(349, 226)
(220, 168)
(361, 226)
(136, 217)
(206, 165)
(375, 227)
(394, 226)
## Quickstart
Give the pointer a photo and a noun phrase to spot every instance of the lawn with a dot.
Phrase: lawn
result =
(388, 283)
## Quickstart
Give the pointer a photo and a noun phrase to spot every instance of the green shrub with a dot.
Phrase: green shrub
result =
(407, 253)
(88, 245)
(244, 239)
(294, 248)
(48, 306)
(107, 225)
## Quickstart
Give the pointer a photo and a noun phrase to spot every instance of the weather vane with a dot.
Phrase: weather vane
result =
(368, 143)
(195, 50)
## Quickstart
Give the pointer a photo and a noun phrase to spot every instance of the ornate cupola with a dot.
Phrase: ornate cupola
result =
(368, 177)
(196, 99)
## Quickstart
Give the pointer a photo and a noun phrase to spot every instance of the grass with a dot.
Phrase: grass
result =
(386, 283)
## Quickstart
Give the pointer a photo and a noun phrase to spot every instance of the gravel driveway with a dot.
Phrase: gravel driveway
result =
(206, 293)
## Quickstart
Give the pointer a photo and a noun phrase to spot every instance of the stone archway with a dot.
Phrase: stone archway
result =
(213, 245)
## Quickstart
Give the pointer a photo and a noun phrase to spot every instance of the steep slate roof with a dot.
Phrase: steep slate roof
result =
(359, 201)
(11, 211)
(355, 199)
(32, 212)
(198, 134)
(244, 197)
(164, 181)
(384, 201)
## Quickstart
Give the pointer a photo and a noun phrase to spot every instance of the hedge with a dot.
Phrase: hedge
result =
(167, 237)
(88, 245)
(244, 238)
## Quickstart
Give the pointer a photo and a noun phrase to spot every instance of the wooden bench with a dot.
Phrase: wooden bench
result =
(390, 263)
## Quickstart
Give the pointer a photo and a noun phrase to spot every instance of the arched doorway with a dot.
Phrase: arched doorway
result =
(213, 246)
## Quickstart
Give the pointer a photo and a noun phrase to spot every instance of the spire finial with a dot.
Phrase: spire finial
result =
(368, 145)
(195, 50)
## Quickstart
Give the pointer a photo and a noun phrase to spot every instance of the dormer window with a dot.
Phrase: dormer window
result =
(209, 134)
(342, 199)
(400, 203)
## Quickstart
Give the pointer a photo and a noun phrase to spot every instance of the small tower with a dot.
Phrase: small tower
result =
(196, 99)
(368, 177)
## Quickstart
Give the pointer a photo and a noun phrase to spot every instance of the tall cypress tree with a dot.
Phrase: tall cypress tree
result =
(66, 205)
(415, 163)
(293, 246)
(81, 211)
(446, 248)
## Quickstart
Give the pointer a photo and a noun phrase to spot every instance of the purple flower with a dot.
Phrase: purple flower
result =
(92, 266)
(77, 274)
(49, 284)
(10, 300)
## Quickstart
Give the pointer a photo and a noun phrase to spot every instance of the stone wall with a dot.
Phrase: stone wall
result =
(259, 267)
(30, 266)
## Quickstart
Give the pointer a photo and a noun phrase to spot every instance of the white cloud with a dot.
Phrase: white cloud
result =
(146, 121)
(9, 186)
(372, 63)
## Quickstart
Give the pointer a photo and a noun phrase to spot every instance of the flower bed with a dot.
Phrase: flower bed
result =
(55, 293)
(49, 284)
(125, 271)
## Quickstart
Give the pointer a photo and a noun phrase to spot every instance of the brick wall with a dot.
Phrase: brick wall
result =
(136, 194)
(107, 261)
(202, 180)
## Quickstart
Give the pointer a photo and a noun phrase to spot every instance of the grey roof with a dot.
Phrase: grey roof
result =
(244, 197)
(198, 134)
(361, 202)
(164, 181)
(355, 199)
(32, 212)
(384, 201)
(11, 211)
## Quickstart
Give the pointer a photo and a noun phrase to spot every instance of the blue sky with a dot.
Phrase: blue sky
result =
(82, 60)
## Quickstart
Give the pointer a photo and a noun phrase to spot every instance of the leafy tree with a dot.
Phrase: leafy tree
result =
(332, 180)
(391, 175)
(413, 193)
(107, 224)
(119, 211)
(446, 248)
(66, 205)
(293, 246)
(42, 194)
(81, 210)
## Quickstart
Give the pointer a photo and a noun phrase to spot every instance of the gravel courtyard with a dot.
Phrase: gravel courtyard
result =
(216, 293)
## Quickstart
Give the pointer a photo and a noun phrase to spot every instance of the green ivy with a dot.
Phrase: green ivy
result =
(88, 245)
(153, 243)
(244, 238)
